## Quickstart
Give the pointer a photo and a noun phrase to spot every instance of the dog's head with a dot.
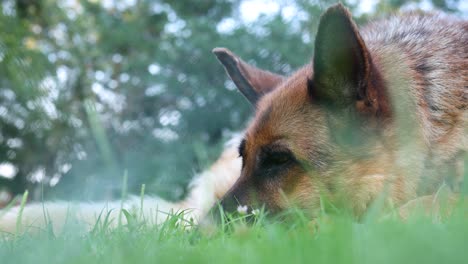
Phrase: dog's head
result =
(303, 123)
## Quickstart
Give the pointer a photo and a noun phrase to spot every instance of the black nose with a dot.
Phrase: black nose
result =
(227, 210)
(227, 206)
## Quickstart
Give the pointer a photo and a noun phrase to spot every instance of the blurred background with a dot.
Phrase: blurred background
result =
(91, 90)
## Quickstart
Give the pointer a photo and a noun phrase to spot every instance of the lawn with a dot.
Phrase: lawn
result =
(331, 238)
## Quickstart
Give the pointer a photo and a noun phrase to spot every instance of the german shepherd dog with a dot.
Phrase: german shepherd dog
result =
(379, 111)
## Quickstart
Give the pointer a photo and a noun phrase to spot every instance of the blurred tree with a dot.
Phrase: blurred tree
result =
(90, 89)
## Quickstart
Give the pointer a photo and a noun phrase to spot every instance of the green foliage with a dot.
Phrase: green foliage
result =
(334, 238)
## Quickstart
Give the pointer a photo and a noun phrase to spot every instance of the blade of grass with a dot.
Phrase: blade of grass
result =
(123, 195)
(20, 213)
(142, 198)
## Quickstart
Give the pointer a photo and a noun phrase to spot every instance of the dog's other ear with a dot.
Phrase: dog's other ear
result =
(251, 81)
(341, 61)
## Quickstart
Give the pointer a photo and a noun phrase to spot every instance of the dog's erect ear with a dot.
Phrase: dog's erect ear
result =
(342, 63)
(251, 81)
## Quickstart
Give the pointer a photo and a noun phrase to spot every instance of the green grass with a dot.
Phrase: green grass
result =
(328, 239)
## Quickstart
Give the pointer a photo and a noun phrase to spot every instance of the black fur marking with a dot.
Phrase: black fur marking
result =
(311, 88)
(423, 67)
(241, 150)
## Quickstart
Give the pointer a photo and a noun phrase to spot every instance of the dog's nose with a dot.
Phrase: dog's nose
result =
(225, 207)
(225, 211)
